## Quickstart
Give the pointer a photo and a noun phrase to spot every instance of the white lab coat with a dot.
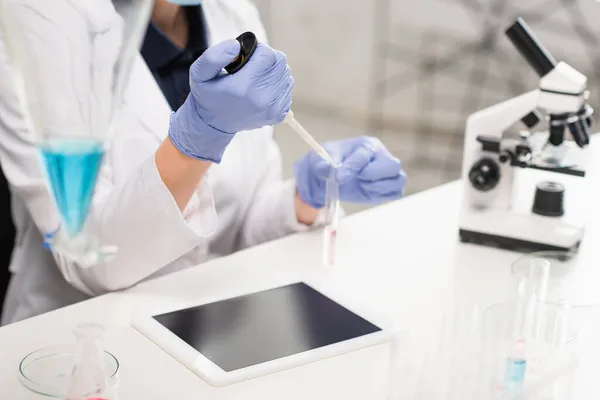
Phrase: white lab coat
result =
(242, 202)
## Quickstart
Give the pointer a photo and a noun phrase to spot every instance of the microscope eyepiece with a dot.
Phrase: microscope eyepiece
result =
(530, 48)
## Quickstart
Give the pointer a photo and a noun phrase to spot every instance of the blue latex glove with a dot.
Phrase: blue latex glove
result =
(368, 174)
(220, 104)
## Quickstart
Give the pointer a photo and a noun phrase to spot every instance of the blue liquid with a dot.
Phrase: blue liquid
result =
(515, 372)
(72, 165)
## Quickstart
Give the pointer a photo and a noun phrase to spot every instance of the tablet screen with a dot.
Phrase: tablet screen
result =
(264, 326)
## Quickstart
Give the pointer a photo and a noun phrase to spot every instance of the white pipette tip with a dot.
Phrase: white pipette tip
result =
(308, 138)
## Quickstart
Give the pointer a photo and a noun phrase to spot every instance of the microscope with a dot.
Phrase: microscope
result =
(525, 192)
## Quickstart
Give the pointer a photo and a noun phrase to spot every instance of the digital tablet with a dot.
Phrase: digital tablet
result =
(240, 338)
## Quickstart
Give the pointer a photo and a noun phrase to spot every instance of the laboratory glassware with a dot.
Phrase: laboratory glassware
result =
(570, 280)
(89, 378)
(537, 361)
(49, 371)
(71, 61)
(572, 291)
(572, 277)
(533, 296)
(332, 217)
(474, 356)
(449, 366)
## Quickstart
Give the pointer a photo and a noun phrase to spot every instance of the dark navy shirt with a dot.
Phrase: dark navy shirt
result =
(169, 63)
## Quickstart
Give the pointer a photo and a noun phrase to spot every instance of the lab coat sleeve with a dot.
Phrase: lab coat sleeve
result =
(138, 215)
(272, 212)
(142, 219)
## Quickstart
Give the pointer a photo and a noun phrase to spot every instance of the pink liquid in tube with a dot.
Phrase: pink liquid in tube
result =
(329, 238)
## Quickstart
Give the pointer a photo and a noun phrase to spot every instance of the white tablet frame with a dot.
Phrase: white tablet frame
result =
(215, 376)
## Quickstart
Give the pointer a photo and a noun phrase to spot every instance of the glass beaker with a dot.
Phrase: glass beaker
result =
(573, 279)
(536, 365)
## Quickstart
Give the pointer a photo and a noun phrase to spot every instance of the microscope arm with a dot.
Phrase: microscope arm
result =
(494, 121)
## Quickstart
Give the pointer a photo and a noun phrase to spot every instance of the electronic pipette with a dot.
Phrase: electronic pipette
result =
(248, 44)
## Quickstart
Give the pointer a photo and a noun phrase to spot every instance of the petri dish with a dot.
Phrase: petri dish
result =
(47, 371)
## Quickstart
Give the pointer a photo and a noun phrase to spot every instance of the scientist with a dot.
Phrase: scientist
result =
(177, 189)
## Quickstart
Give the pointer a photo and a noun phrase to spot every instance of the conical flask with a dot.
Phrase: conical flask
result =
(71, 62)
(89, 378)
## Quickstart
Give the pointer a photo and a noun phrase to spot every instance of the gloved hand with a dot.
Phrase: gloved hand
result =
(368, 173)
(220, 105)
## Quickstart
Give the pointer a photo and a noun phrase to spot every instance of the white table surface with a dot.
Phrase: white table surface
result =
(403, 258)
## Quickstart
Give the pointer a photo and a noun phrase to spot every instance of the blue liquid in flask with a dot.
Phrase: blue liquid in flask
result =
(72, 165)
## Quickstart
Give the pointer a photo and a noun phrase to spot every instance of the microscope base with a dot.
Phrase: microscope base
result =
(508, 243)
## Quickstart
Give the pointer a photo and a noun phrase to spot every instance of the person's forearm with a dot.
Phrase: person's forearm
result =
(180, 174)
(305, 214)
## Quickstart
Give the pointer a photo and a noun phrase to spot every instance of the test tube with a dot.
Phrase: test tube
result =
(539, 273)
(332, 217)
(560, 334)
(537, 289)
(520, 309)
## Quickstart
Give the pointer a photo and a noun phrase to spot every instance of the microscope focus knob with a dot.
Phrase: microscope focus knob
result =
(484, 174)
